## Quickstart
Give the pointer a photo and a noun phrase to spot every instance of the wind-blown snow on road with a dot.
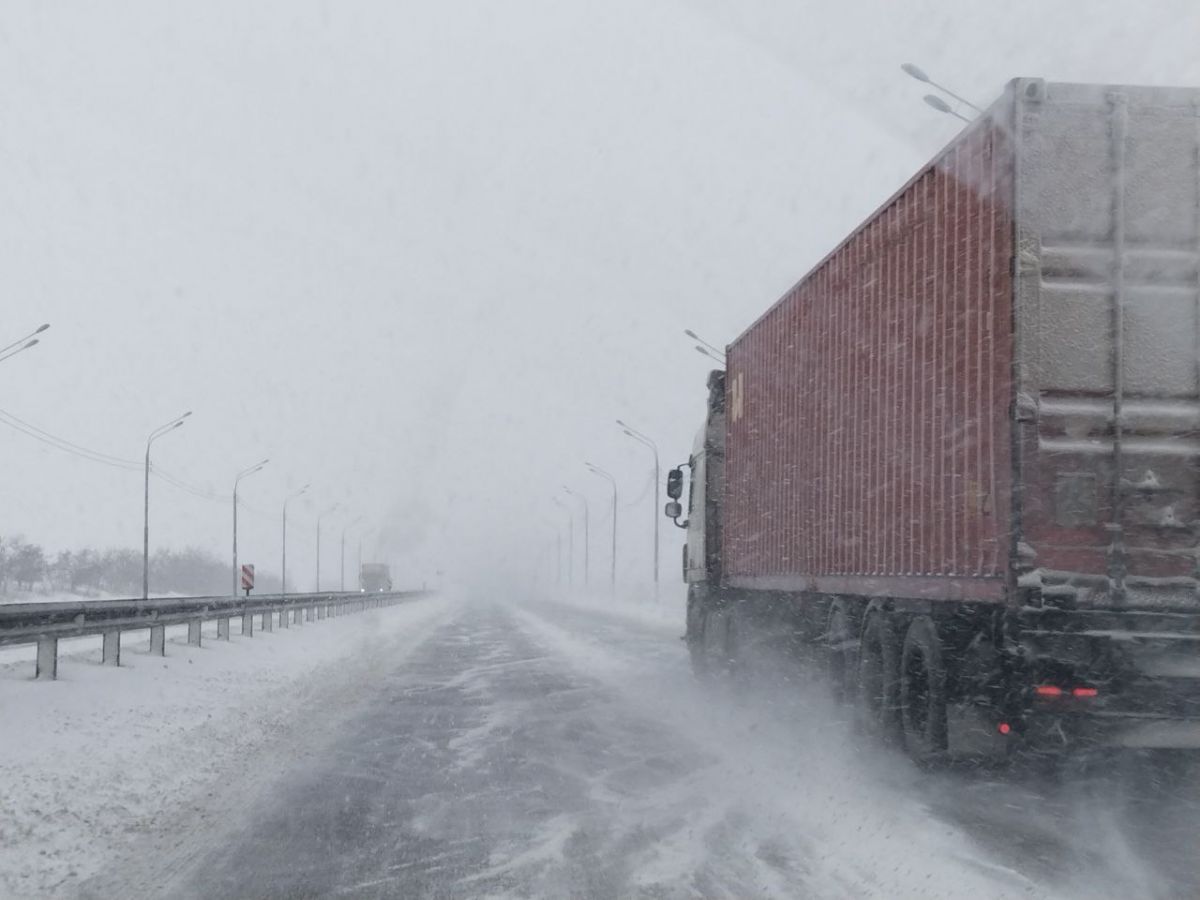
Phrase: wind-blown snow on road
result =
(547, 751)
(486, 749)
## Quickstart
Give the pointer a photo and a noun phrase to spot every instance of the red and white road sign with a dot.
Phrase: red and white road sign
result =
(247, 578)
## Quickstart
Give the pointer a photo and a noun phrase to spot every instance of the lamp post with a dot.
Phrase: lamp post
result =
(245, 473)
(320, 516)
(283, 562)
(918, 73)
(344, 530)
(596, 470)
(557, 555)
(644, 440)
(586, 539)
(695, 337)
(570, 539)
(154, 436)
(22, 344)
(943, 107)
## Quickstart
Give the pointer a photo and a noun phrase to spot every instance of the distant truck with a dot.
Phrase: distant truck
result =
(961, 457)
(374, 577)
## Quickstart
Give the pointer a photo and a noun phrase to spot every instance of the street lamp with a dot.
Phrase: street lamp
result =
(320, 515)
(943, 107)
(586, 539)
(596, 470)
(918, 73)
(154, 436)
(7, 356)
(704, 351)
(643, 439)
(713, 347)
(245, 473)
(570, 539)
(21, 344)
(283, 563)
(344, 530)
(557, 555)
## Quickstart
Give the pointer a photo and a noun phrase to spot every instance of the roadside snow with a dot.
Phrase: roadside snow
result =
(39, 596)
(105, 756)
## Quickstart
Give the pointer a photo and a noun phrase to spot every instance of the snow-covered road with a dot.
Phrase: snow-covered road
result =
(562, 750)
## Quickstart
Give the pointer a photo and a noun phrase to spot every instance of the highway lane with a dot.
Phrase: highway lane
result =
(557, 751)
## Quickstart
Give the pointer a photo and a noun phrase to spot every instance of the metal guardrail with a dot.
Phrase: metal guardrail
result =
(45, 624)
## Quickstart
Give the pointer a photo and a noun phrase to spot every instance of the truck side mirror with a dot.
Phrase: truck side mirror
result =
(673, 510)
(675, 484)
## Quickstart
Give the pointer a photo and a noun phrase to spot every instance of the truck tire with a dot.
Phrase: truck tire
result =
(716, 642)
(878, 682)
(840, 649)
(735, 658)
(923, 693)
(697, 622)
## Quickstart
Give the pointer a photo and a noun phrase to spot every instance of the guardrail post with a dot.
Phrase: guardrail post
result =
(247, 625)
(112, 648)
(158, 640)
(47, 659)
(223, 628)
(194, 626)
(266, 621)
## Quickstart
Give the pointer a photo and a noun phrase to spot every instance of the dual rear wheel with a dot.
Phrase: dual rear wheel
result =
(895, 676)
(891, 668)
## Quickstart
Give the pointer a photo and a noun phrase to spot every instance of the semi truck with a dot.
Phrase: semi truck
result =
(374, 577)
(957, 462)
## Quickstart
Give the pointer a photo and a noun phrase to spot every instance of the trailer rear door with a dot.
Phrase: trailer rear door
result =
(1108, 352)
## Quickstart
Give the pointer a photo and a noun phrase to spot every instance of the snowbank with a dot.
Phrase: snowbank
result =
(39, 596)
(103, 756)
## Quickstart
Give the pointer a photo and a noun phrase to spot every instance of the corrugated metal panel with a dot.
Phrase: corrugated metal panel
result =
(873, 440)
(1108, 334)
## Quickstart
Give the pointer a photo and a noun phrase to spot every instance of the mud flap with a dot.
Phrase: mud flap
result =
(973, 732)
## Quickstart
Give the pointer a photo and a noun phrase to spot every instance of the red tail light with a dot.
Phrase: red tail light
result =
(1048, 690)
(1084, 692)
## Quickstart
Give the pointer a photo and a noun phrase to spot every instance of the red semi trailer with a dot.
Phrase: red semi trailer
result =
(961, 454)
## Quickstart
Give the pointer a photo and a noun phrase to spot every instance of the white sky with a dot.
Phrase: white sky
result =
(423, 254)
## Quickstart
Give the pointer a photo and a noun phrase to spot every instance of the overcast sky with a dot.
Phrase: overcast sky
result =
(422, 255)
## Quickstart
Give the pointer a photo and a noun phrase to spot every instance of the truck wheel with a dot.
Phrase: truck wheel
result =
(839, 647)
(923, 692)
(714, 644)
(696, 639)
(736, 661)
(878, 676)
(697, 621)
